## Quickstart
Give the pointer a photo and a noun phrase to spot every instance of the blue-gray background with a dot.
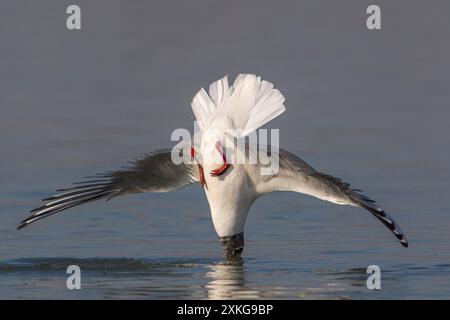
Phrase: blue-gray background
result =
(371, 107)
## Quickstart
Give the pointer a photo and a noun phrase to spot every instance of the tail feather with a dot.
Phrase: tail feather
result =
(203, 108)
(267, 108)
(250, 102)
(260, 101)
(219, 91)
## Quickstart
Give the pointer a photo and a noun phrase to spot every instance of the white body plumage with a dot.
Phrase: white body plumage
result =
(243, 108)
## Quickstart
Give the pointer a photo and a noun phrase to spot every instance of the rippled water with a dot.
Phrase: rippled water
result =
(370, 107)
(175, 278)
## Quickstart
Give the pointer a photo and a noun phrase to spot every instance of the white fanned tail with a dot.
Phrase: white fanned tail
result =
(250, 102)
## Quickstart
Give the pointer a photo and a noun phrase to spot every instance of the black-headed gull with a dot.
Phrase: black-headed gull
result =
(231, 187)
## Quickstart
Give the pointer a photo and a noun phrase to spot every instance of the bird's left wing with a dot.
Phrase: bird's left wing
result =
(155, 172)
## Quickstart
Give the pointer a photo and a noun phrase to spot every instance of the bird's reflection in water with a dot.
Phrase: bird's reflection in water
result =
(227, 281)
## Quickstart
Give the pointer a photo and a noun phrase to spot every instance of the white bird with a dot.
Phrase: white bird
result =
(231, 187)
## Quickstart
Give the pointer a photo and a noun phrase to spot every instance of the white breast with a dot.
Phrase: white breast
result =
(230, 196)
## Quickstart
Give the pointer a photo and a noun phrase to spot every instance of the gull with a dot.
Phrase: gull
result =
(230, 186)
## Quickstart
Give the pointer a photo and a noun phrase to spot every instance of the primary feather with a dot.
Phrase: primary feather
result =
(154, 173)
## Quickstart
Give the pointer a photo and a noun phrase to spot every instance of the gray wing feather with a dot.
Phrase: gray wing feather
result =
(154, 172)
(329, 188)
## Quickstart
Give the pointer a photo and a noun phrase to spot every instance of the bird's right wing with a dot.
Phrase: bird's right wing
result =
(296, 175)
(155, 172)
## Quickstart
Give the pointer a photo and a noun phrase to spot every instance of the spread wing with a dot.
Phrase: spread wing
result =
(154, 173)
(296, 175)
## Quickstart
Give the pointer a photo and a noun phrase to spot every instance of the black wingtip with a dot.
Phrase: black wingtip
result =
(22, 225)
(404, 242)
(385, 219)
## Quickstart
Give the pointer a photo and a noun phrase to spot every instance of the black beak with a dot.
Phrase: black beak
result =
(233, 245)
